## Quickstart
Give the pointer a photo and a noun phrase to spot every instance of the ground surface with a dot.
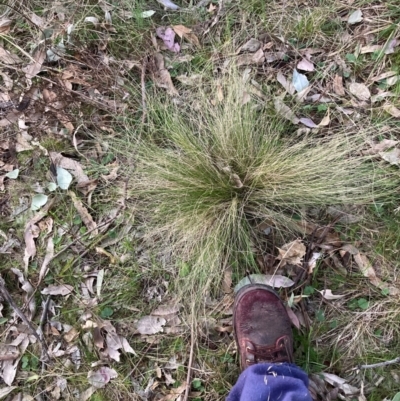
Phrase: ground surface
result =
(88, 308)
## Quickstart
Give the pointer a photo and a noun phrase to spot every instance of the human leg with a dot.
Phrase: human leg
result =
(265, 343)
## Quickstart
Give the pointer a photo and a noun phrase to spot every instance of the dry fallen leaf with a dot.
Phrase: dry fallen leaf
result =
(102, 251)
(190, 80)
(355, 17)
(101, 377)
(327, 294)
(370, 49)
(305, 65)
(8, 58)
(5, 25)
(392, 157)
(292, 253)
(150, 324)
(113, 173)
(71, 335)
(168, 37)
(162, 77)
(85, 215)
(368, 271)
(251, 46)
(73, 166)
(168, 4)
(377, 147)
(250, 58)
(184, 32)
(389, 49)
(63, 289)
(166, 310)
(23, 142)
(313, 261)
(384, 75)
(342, 384)
(292, 316)
(308, 122)
(360, 91)
(175, 393)
(285, 111)
(326, 120)
(47, 259)
(6, 390)
(338, 85)
(285, 83)
(38, 21)
(31, 70)
(227, 281)
(393, 111)
(9, 367)
(31, 232)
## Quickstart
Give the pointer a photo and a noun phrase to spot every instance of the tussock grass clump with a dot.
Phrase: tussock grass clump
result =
(206, 173)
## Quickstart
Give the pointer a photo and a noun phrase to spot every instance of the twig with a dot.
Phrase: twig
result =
(74, 241)
(4, 292)
(379, 364)
(40, 328)
(142, 77)
(189, 372)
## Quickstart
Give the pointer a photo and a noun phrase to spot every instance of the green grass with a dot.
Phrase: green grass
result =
(206, 177)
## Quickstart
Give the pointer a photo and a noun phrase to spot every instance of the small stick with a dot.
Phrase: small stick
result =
(40, 328)
(379, 364)
(4, 292)
(142, 77)
(189, 372)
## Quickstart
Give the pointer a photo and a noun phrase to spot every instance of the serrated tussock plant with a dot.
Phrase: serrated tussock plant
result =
(205, 172)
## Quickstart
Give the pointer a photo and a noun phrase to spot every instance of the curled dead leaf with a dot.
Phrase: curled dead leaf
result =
(73, 166)
(175, 393)
(187, 33)
(162, 77)
(292, 253)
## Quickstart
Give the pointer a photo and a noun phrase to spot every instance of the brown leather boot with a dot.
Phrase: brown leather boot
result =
(262, 326)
